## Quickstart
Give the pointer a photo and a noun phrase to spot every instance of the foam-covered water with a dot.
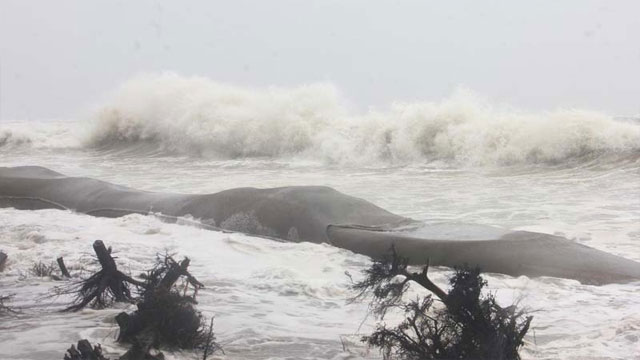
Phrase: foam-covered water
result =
(455, 162)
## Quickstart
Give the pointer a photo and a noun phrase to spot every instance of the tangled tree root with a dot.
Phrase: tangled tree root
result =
(470, 326)
(102, 288)
(166, 317)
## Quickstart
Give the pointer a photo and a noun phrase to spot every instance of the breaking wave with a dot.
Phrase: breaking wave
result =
(170, 114)
(39, 135)
(196, 116)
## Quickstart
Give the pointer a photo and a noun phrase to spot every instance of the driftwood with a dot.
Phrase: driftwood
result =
(165, 317)
(105, 286)
(174, 272)
(63, 267)
(84, 351)
(3, 260)
(470, 326)
(160, 281)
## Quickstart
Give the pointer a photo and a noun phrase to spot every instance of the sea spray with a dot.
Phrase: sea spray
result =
(49, 134)
(200, 117)
(168, 114)
(197, 116)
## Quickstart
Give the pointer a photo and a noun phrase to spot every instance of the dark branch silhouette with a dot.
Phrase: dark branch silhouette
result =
(102, 288)
(166, 316)
(63, 267)
(469, 326)
(84, 351)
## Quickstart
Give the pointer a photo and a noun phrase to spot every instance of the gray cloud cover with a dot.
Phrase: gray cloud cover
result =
(58, 58)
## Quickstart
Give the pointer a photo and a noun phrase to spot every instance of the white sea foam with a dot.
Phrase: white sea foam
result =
(270, 299)
(39, 135)
(196, 116)
(168, 114)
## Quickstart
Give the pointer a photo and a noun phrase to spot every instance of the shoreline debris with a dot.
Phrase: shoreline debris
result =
(469, 326)
(102, 288)
(166, 316)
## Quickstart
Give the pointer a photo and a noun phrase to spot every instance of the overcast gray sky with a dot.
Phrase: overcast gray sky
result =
(58, 58)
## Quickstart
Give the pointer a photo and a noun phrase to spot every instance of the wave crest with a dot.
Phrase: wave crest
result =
(9, 139)
(38, 135)
(466, 130)
(196, 116)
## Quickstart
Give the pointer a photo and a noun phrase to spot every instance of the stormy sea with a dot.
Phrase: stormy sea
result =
(457, 162)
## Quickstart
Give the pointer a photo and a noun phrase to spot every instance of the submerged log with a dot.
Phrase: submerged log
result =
(104, 256)
(63, 267)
